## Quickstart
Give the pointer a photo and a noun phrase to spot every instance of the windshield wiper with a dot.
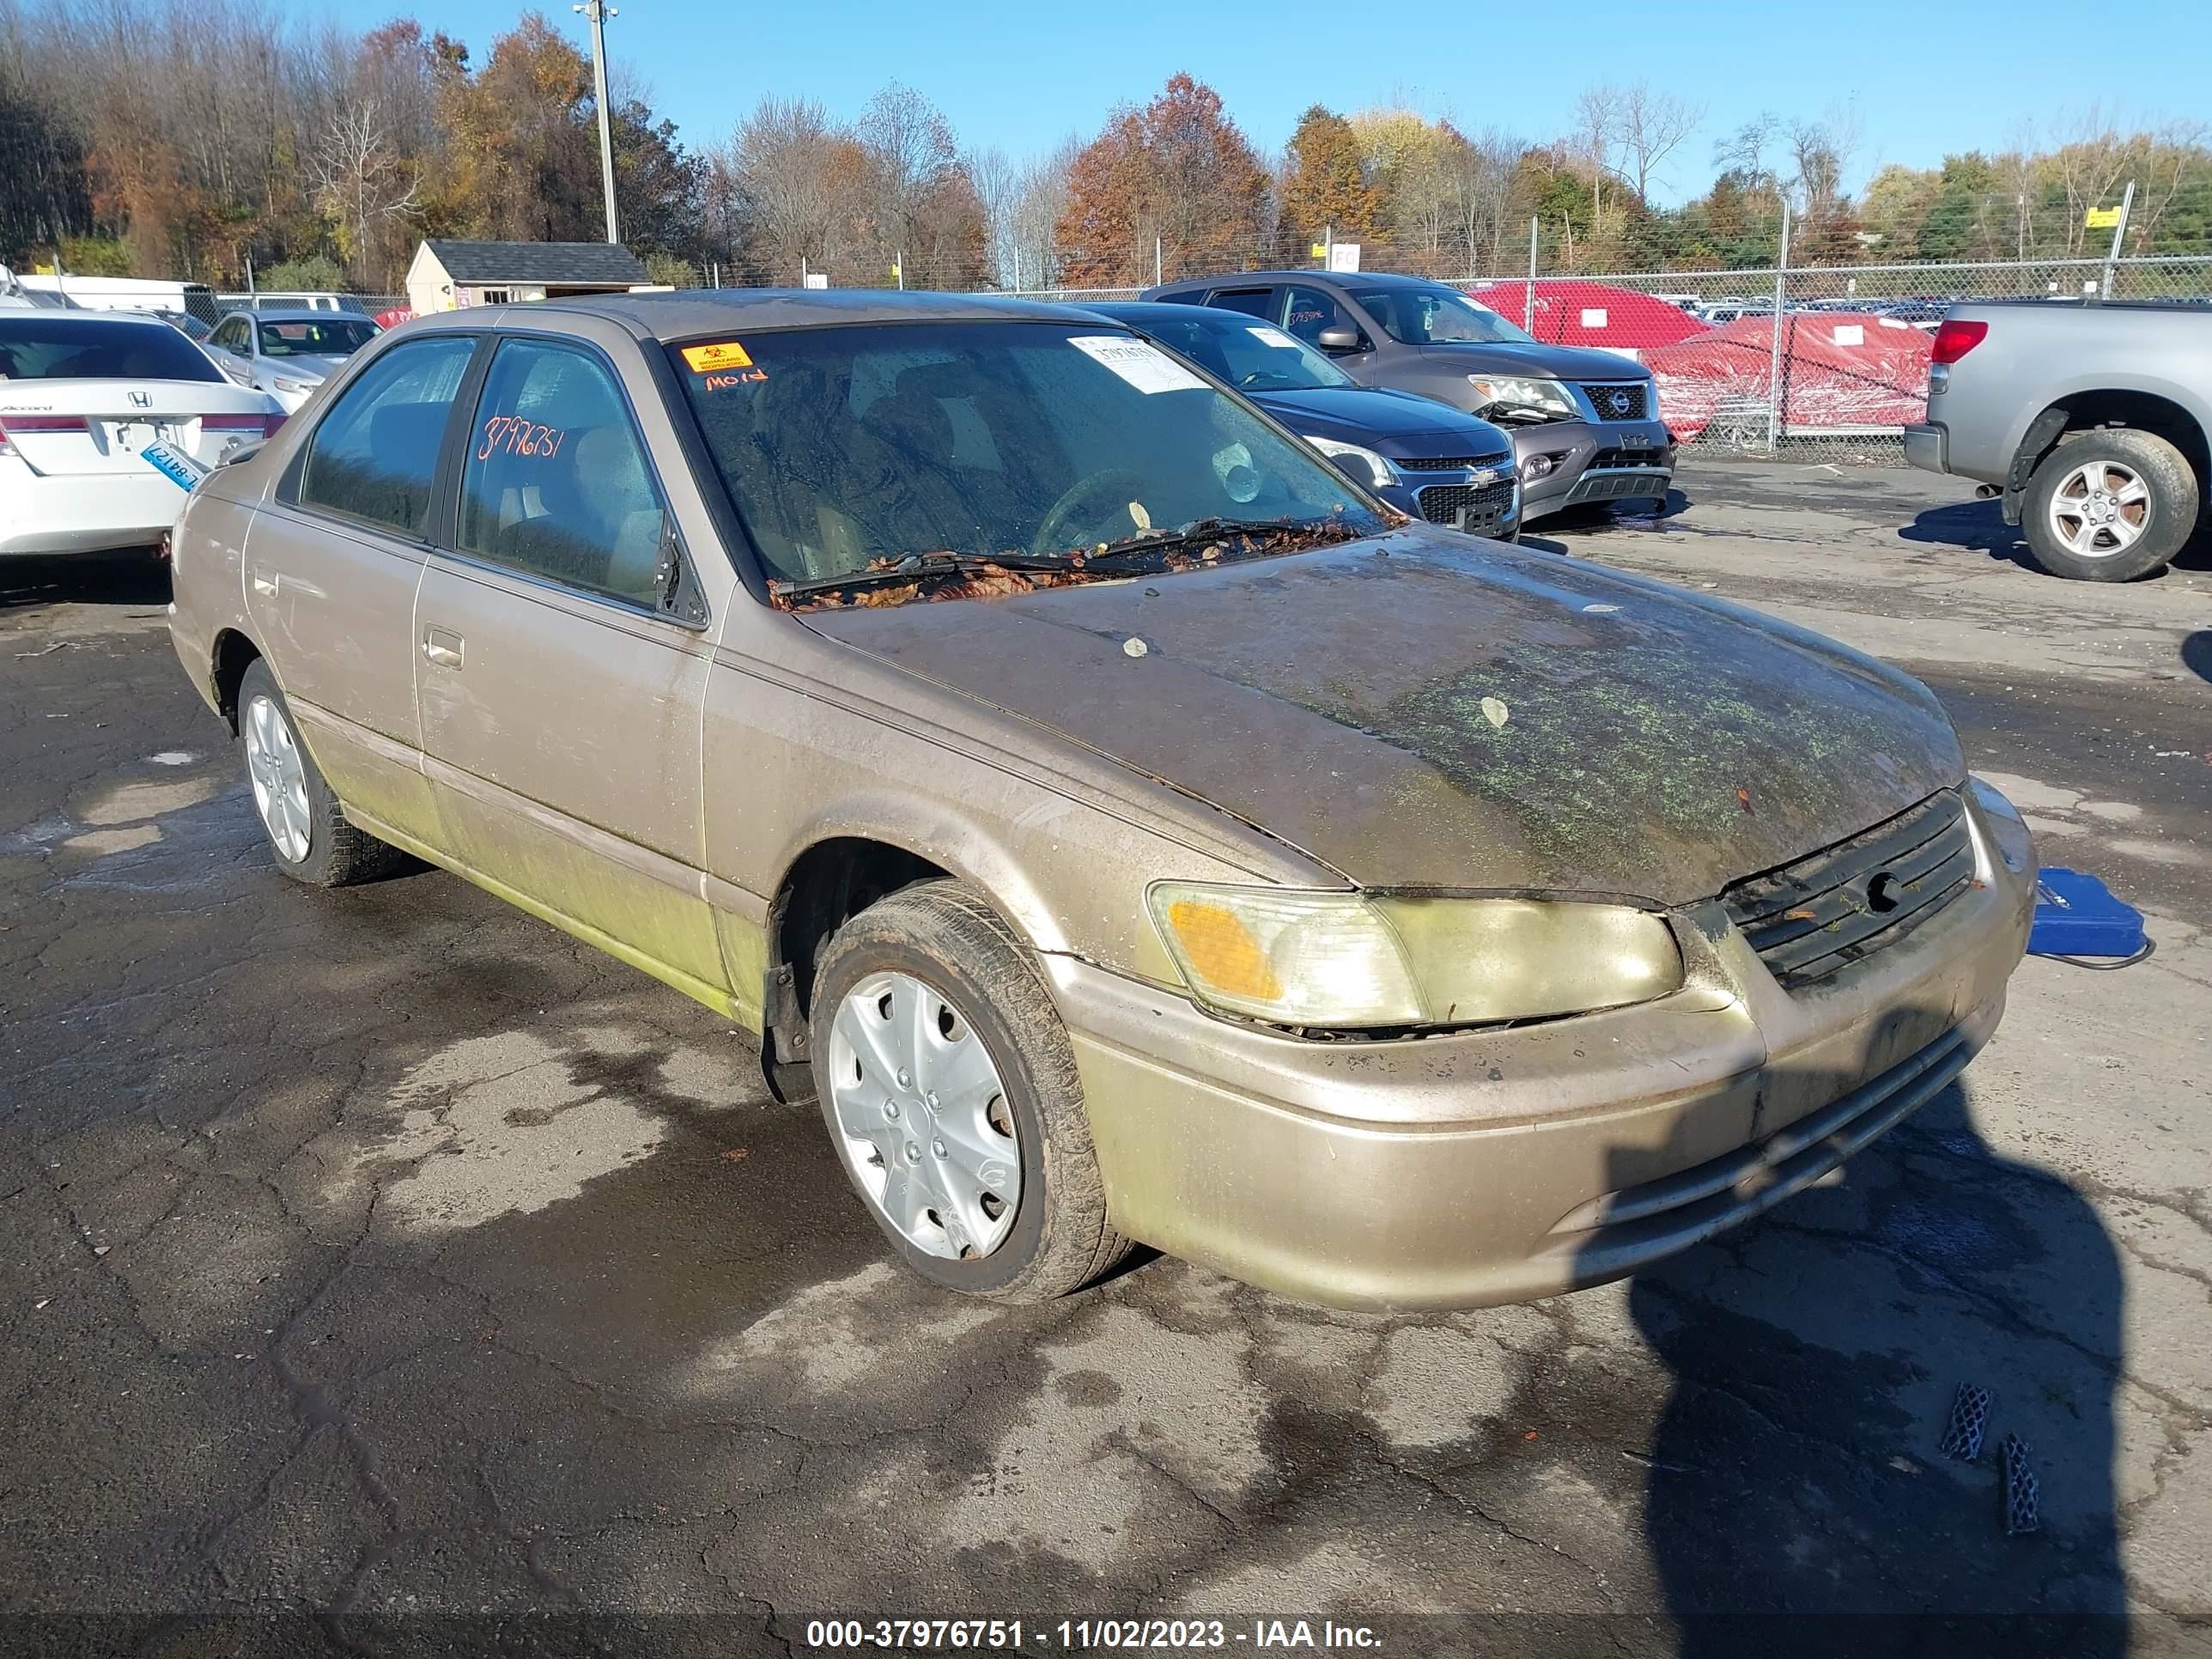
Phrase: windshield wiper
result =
(1198, 530)
(915, 567)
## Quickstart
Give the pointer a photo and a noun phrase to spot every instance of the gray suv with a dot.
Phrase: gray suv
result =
(1585, 424)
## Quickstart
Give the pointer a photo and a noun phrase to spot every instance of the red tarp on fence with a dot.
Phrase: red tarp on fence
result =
(1842, 371)
(1595, 314)
(394, 316)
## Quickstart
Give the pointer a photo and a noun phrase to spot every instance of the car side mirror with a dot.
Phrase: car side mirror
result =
(678, 590)
(1338, 339)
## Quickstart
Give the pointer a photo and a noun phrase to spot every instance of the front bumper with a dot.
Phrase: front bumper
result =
(1567, 463)
(1502, 1164)
(1927, 446)
(87, 512)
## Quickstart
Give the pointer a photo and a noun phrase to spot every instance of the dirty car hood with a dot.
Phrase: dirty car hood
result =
(1424, 710)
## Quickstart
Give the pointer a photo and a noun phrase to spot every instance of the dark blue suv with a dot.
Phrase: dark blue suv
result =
(1415, 453)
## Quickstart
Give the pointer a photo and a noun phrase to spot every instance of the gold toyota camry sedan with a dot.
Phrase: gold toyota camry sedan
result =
(1123, 825)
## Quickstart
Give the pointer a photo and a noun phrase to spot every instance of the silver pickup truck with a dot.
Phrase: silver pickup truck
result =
(2089, 419)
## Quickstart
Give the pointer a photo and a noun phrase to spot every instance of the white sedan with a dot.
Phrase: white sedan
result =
(287, 353)
(83, 394)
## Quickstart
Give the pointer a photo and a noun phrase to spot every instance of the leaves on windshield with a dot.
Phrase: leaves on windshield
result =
(985, 580)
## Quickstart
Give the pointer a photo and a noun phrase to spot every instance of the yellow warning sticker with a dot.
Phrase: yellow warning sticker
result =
(721, 355)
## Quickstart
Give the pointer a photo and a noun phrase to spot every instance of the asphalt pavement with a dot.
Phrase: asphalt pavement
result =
(382, 1270)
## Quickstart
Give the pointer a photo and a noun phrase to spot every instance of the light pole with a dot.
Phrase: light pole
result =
(598, 11)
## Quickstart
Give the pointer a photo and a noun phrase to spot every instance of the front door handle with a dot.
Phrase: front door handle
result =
(441, 648)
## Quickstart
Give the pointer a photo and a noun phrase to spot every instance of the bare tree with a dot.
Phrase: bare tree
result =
(1744, 153)
(1022, 202)
(909, 147)
(1596, 131)
(2091, 162)
(360, 185)
(1821, 151)
(1651, 126)
(2164, 168)
(778, 166)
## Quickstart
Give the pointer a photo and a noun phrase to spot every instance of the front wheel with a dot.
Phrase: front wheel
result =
(2109, 506)
(307, 832)
(950, 1090)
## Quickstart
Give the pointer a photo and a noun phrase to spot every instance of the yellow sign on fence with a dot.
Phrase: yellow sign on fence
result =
(2101, 219)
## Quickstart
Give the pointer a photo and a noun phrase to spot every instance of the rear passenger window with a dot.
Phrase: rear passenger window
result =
(375, 454)
(555, 483)
(1252, 301)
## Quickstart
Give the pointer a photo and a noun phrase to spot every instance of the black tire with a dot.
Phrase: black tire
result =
(942, 934)
(2170, 510)
(337, 855)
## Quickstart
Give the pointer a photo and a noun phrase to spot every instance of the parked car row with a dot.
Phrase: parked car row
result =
(1585, 425)
(1385, 915)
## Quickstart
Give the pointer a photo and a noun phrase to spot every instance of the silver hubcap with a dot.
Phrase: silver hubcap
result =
(2101, 507)
(922, 1118)
(279, 775)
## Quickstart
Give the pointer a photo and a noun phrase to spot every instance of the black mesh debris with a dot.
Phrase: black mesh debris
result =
(2023, 1492)
(1970, 1420)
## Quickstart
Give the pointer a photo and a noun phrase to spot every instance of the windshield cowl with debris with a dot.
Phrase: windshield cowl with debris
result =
(945, 575)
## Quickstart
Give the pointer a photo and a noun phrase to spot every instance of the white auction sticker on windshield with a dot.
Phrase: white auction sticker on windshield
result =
(1273, 337)
(1142, 365)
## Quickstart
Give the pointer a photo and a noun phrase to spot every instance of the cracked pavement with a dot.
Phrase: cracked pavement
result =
(383, 1271)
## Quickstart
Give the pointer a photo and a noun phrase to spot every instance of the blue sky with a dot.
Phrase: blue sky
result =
(1925, 77)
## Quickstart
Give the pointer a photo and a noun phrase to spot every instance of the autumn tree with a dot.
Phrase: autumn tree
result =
(1176, 175)
(1324, 184)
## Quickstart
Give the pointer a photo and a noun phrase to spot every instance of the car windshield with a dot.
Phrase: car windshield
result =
(303, 337)
(853, 451)
(1429, 313)
(46, 346)
(1250, 355)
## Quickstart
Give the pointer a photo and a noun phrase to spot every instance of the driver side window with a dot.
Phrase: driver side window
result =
(1310, 310)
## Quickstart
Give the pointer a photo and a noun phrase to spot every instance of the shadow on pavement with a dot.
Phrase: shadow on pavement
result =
(1813, 1359)
(1553, 533)
(1979, 527)
(135, 577)
(2197, 653)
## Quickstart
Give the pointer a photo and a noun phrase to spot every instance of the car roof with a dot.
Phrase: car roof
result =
(299, 314)
(88, 316)
(1129, 311)
(687, 314)
(1340, 278)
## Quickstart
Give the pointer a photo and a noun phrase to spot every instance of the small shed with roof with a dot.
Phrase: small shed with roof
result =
(448, 275)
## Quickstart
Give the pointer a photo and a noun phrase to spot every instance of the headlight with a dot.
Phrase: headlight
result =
(1364, 464)
(297, 388)
(1512, 398)
(1344, 960)
(2006, 826)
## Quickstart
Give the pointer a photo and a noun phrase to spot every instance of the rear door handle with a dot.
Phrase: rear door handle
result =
(264, 583)
(441, 648)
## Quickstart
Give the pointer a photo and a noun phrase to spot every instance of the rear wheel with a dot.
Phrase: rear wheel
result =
(2110, 505)
(309, 835)
(949, 1088)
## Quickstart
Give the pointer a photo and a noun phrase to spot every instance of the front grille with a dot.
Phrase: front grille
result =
(1623, 400)
(1815, 917)
(1486, 505)
(1449, 463)
(1643, 458)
